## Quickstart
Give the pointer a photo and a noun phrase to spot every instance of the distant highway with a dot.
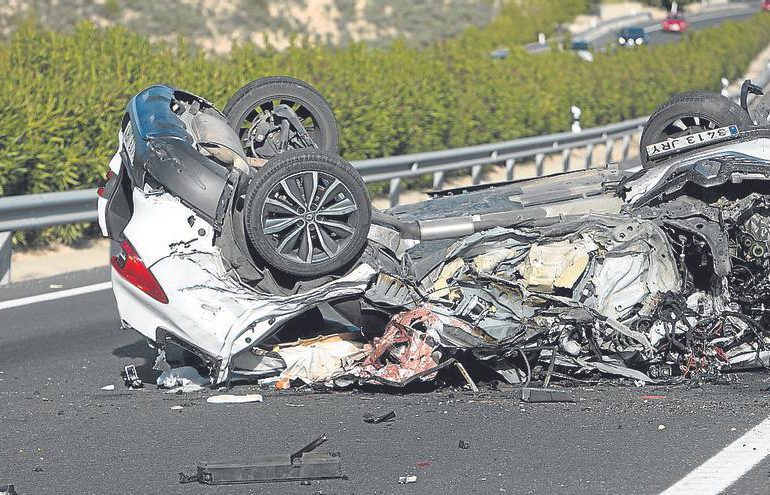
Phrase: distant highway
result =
(697, 22)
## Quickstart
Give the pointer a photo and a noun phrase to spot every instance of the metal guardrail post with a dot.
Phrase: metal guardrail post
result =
(609, 144)
(589, 155)
(566, 155)
(438, 180)
(6, 239)
(476, 175)
(395, 191)
(625, 146)
(510, 164)
(539, 164)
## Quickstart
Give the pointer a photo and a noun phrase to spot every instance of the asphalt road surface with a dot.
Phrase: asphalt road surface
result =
(60, 433)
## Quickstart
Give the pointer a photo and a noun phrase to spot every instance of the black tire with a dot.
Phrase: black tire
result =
(316, 208)
(310, 106)
(689, 113)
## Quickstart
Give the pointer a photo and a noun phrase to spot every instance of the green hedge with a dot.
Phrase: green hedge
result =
(62, 95)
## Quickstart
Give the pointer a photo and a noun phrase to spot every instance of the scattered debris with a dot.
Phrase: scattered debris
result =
(407, 479)
(545, 395)
(661, 427)
(423, 464)
(176, 408)
(181, 380)
(467, 377)
(301, 465)
(464, 445)
(369, 418)
(108, 387)
(653, 397)
(234, 399)
(131, 377)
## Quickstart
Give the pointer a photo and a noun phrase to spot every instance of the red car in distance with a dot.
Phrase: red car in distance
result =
(675, 23)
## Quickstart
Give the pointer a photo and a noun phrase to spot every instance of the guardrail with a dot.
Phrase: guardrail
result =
(33, 211)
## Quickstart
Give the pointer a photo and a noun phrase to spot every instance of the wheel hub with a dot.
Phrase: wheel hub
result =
(309, 217)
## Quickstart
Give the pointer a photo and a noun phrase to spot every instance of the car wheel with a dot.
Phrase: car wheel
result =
(307, 213)
(690, 113)
(253, 112)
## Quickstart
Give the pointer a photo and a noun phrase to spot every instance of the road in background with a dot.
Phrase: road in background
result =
(62, 434)
(697, 22)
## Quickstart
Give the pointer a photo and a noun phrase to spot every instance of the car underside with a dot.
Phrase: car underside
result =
(247, 242)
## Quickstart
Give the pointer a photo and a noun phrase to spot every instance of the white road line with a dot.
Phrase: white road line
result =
(732, 462)
(52, 296)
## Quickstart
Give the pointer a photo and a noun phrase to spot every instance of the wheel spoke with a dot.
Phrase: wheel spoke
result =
(289, 240)
(310, 184)
(275, 225)
(679, 124)
(328, 192)
(294, 193)
(344, 207)
(339, 228)
(306, 246)
(281, 205)
(328, 244)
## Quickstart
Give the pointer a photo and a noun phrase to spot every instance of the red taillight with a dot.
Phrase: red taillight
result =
(131, 267)
(100, 190)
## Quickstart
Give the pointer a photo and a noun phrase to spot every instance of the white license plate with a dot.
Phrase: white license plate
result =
(129, 142)
(692, 141)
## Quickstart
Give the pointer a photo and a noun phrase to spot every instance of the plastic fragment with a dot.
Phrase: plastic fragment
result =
(234, 399)
(464, 445)
(108, 387)
(369, 418)
(407, 479)
(131, 377)
(183, 379)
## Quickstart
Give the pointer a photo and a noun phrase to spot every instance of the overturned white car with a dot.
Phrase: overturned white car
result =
(236, 227)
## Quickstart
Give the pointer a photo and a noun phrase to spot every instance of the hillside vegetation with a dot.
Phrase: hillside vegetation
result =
(215, 25)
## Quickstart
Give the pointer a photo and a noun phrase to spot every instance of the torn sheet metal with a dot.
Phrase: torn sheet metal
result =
(401, 355)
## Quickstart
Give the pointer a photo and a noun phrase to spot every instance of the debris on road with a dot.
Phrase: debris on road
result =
(7, 490)
(407, 479)
(545, 395)
(131, 377)
(176, 408)
(369, 418)
(466, 376)
(234, 399)
(108, 387)
(184, 379)
(661, 427)
(464, 445)
(301, 465)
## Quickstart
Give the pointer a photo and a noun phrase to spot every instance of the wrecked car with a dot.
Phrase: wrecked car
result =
(242, 231)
